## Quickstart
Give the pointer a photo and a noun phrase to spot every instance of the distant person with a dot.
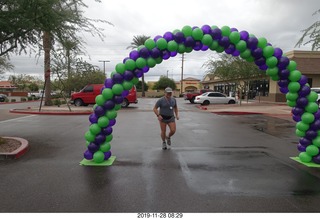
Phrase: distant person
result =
(168, 108)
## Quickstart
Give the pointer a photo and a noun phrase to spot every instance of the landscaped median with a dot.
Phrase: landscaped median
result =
(13, 147)
(54, 110)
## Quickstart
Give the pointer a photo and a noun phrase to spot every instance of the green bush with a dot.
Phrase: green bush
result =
(56, 102)
(23, 99)
(13, 100)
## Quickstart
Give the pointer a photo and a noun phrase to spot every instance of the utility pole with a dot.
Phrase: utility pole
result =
(181, 89)
(167, 73)
(104, 66)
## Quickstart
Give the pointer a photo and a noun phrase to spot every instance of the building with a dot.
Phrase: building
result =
(308, 63)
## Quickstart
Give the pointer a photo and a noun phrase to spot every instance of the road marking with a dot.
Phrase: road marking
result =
(10, 120)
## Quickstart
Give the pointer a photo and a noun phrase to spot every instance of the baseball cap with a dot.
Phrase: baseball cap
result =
(168, 90)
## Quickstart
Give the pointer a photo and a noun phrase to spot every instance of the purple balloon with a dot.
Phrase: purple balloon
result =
(93, 147)
(206, 29)
(301, 148)
(108, 105)
(179, 37)
(244, 35)
(165, 54)
(204, 48)
(304, 91)
(236, 53)
(168, 36)
(138, 73)
(117, 78)
(100, 139)
(296, 118)
(93, 118)
(303, 80)
(283, 83)
(155, 53)
(302, 102)
(298, 111)
(99, 111)
(260, 62)
(317, 114)
(304, 141)
(134, 55)
(156, 38)
(144, 52)
(107, 130)
(283, 62)
(284, 74)
(125, 93)
(108, 83)
(128, 75)
(263, 67)
(145, 69)
(311, 134)
(315, 125)
(252, 43)
(284, 90)
(118, 99)
(231, 49)
(216, 34)
(88, 155)
(173, 53)
(198, 45)
(233, 29)
(277, 53)
(257, 53)
(224, 42)
(189, 42)
(107, 155)
(112, 122)
(125, 59)
(316, 159)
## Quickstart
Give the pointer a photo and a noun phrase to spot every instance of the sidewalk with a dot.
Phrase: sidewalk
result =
(55, 110)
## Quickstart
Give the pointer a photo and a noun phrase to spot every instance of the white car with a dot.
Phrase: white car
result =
(214, 97)
(317, 90)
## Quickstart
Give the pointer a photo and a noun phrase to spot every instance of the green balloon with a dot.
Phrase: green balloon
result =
(187, 31)
(150, 44)
(272, 71)
(127, 85)
(245, 54)
(312, 97)
(241, 46)
(275, 78)
(272, 62)
(95, 129)
(94, 106)
(225, 31)
(175, 31)
(295, 75)
(109, 138)
(207, 40)
(117, 89)
(262, 42)
(304, 157)
(214, 27)
(307, 118)
(141, 62)
(135, 80)
(316, 141)
(151, 62)
(111, 114)
(112, 73)
(312, 150)
(117, 107)
(234, 37)
(312, 107)
(250, 59)
(107, 94)
(98, 157)
(300, 133)
(197, 34)
(103, 121)
(158, 60)
(161, 44)
(140, 47)
(181, 48)
(292, 66)
(214, 45)
(172, 46)
(220, 49)
(120, 68)
(105, 147)
(130, 64)
(268, 51)
(100, 100)
(189, 49)
(294, 87)
(291, 103)
(292, 96)
(302, 126)
(89, 136)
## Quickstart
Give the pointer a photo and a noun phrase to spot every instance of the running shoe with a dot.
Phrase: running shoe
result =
(164, 146)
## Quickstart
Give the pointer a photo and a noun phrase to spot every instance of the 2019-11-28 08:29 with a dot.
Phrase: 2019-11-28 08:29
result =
(159, 215)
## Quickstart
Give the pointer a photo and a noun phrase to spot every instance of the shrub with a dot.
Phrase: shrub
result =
(13, 100)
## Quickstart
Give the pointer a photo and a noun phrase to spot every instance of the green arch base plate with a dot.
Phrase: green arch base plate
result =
(108, 162)
(306, 164)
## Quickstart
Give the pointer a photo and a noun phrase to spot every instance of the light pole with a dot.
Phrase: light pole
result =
(104, 66)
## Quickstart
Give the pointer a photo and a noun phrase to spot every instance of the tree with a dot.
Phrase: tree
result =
(231, 69)
(139, 86)
(38, 24)
(311, 35)
(163, 83)
(4, 66)
(136, 42)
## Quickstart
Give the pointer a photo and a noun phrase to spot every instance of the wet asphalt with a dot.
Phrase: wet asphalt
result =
(217, 163)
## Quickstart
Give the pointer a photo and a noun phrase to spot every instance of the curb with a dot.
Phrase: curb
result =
(18, 152)
(237, 113)
(21, 111)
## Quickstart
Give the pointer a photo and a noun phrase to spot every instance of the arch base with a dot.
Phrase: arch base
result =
(304, 163)
(108, 162)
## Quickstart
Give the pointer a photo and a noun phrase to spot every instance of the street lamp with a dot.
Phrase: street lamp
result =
(104, 66)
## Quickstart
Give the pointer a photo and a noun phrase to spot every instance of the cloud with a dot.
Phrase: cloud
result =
(280, 22)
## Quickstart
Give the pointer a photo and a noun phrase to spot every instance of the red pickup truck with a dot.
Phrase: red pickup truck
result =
(191, 96)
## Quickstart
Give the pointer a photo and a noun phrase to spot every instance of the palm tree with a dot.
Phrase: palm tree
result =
(136, 42)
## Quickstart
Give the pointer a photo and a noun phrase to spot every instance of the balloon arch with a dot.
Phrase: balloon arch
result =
(305, 110)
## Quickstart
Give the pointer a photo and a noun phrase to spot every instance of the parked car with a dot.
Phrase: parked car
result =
(88, 96)
(39, 94)
(317, 90)
(214, 98)
(3, 97)
(191, 96)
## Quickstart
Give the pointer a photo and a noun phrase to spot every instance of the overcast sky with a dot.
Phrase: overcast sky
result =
(279, 21)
